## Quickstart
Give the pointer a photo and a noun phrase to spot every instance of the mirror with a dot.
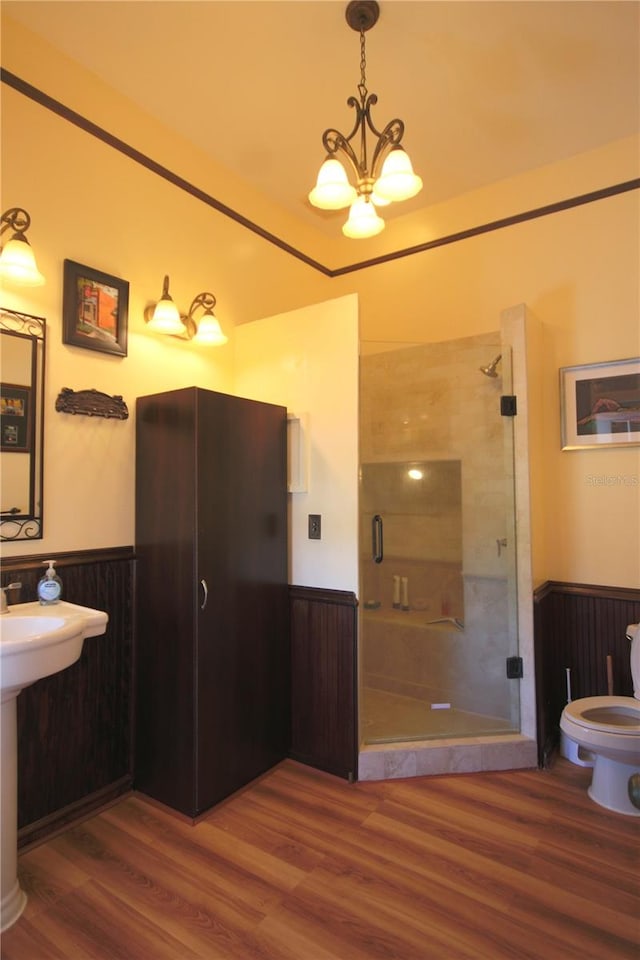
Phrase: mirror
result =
(22, 353)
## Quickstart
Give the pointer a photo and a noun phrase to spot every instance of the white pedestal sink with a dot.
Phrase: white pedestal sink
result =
(35, 641)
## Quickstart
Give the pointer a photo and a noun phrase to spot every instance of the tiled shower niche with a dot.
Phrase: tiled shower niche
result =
(421, 506)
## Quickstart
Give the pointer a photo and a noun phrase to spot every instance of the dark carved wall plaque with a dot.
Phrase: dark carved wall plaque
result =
(91, 403)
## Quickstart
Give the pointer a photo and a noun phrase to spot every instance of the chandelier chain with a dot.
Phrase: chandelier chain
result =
(362, 86)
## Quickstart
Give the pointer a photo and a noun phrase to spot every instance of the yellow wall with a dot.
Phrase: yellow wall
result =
(307, 360)
(577, 271)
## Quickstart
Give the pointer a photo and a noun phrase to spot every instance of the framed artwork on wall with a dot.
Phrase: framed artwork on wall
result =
(95, 309)
(600, 404)
(15, 418)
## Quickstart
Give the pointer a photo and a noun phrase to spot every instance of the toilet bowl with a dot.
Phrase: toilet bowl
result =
(608, 728)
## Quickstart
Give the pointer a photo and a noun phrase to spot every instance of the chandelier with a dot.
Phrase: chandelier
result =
(388, 176)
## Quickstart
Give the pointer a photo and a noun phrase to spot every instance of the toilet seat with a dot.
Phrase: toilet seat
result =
(616, 715)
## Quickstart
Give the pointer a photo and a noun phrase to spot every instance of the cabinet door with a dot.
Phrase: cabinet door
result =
(242, 633)
(165, 597)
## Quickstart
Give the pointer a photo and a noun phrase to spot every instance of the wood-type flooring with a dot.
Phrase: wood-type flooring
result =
(517, 865)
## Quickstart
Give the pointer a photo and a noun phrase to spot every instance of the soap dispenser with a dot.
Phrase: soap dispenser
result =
(50, 585)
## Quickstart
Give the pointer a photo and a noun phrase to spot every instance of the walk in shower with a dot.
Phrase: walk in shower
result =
(438, 589)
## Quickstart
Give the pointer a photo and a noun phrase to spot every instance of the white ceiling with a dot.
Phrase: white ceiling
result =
(486, 89)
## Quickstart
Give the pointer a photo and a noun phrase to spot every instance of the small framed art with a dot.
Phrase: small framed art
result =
(600, 404)
(15, 418)
(95, 309)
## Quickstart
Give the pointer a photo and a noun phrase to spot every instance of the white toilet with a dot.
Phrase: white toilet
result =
(609, 729)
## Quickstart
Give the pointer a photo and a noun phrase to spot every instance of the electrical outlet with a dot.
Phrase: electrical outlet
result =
(315, 526)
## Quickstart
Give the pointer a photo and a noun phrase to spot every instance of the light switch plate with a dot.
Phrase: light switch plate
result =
(315, 526)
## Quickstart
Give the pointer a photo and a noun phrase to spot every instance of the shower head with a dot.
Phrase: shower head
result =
(490, 369)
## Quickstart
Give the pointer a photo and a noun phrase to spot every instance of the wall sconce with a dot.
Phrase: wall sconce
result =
(164, 317)
(17, 261)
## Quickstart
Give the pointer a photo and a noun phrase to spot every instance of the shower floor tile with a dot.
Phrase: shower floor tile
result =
(386, 717)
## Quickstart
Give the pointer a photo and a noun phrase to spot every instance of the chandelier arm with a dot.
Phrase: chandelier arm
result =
(335, 141)
(391, 136)
(361, 107)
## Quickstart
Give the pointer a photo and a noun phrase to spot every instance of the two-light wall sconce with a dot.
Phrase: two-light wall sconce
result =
(18, 264)
(164, 317)
(17, 260)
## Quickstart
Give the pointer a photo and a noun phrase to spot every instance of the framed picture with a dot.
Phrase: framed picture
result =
(600, 404)
(15, 418)
(95, 309)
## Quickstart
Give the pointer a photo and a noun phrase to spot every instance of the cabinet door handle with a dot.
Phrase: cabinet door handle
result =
(376, 539)
(205, 594)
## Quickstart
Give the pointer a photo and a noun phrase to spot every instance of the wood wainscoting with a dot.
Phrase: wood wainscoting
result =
(324, 698)
(74, 728)
(578, 626)
(75, 749)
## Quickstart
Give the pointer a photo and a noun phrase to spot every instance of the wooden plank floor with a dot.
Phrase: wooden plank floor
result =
(303, 866)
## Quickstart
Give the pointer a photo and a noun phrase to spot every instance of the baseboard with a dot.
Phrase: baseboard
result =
(46, 827)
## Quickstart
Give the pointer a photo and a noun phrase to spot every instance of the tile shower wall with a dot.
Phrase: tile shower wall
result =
(430, 403)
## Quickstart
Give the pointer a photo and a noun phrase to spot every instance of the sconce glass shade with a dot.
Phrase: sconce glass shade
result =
(17, 263)
(397, 180)
(166, 318)
(209, 332)
(332, 190)
(363, 220)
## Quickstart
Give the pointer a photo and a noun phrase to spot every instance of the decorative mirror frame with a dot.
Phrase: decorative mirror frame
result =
(16, 524)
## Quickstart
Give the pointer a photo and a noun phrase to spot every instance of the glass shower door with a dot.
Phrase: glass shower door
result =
(438, 604)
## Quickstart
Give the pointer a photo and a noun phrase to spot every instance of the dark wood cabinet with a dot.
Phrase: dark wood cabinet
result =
(212, 632)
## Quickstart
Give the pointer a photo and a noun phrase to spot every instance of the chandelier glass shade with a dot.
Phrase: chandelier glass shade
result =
(397, 181)
(363, 219)
(388, 177)
(332, 190)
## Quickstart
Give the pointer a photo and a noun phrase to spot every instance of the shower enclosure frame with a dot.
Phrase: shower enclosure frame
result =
(520, 334)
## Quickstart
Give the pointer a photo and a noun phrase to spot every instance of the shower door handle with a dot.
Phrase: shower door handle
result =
(376, 539)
